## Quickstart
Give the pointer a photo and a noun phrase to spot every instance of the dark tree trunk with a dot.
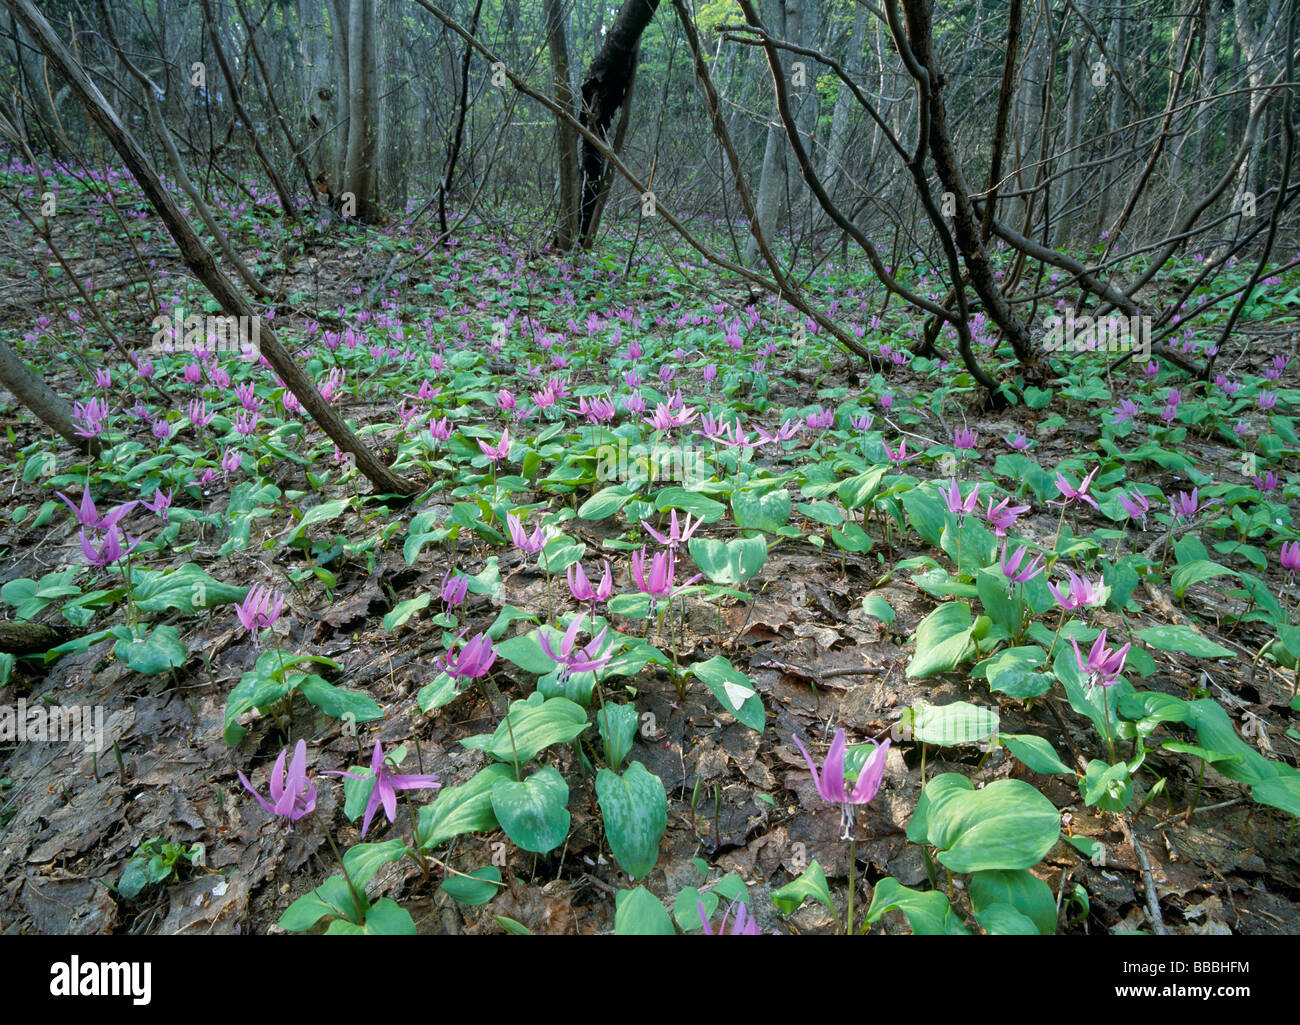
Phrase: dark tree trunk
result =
(603, 93)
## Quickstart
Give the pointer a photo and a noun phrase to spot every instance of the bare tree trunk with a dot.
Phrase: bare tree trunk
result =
(453, 149)
(391, 102)
(1253, 41)
(802, 24)
(772, 177)
(568, 227)
(834, 162)
(29, 389)
(1116, 45)
(286, 202)
(1209, 69)
(177, 165)
(361, 167)
(603, 92)
(1029, 114)
(917, 50)
(1080, 88)
(340, 15)
(620, 134)
(31, 70)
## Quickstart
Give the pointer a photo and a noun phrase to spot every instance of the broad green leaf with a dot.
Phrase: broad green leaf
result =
(690, 501)
(769, 512)
(734, 690)
(441, 691)
(956, 723)
(186, 589)
(1107, 787)
(463, 809)
(1021, 890)
(533, 813)
(363, 860)
(928, 912)
(332, 897)
(337, 702)
(995, 595)
(159, 651)
(1016, 672)
(635, 811)
(875, 605)
(388, 918)
(606, 502)
(1214, 731)
(855, 492)
(525, 650)
(821, 512)
(1036, 753)
(1006, 825)
(617, 725)
(405, 610)
(943, 640)
(812, 883)
(319, 514)
(483, 885)
(1183, 639)
(1281, 792)
(732, 563)
(534, 725)
(1196, 572)
(639, 913)
(1004, 920)
(686, 910)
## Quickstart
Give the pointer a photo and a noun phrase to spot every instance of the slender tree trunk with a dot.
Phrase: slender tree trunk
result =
(1209, 69)
(282, 193)
(568, 227)
(361, 170)
(1078, 82)
(620, 134)
(772, 177)
(458, 135)
(832, 168)
(340, 19)
(1029, 113)
(1253, 42)
(1116, 46)
(31, 69)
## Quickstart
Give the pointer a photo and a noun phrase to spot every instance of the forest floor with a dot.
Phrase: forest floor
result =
(825, 635)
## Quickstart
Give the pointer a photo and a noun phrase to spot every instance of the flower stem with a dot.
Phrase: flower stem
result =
(356, 898)
(853, 865)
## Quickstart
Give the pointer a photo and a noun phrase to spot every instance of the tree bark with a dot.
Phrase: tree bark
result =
(917, 49)
(30, 71)
(361, 168)
(832, 167)
(773, 174)
(568, 227)
(603, 93)
(286, 202)
(32, 391)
